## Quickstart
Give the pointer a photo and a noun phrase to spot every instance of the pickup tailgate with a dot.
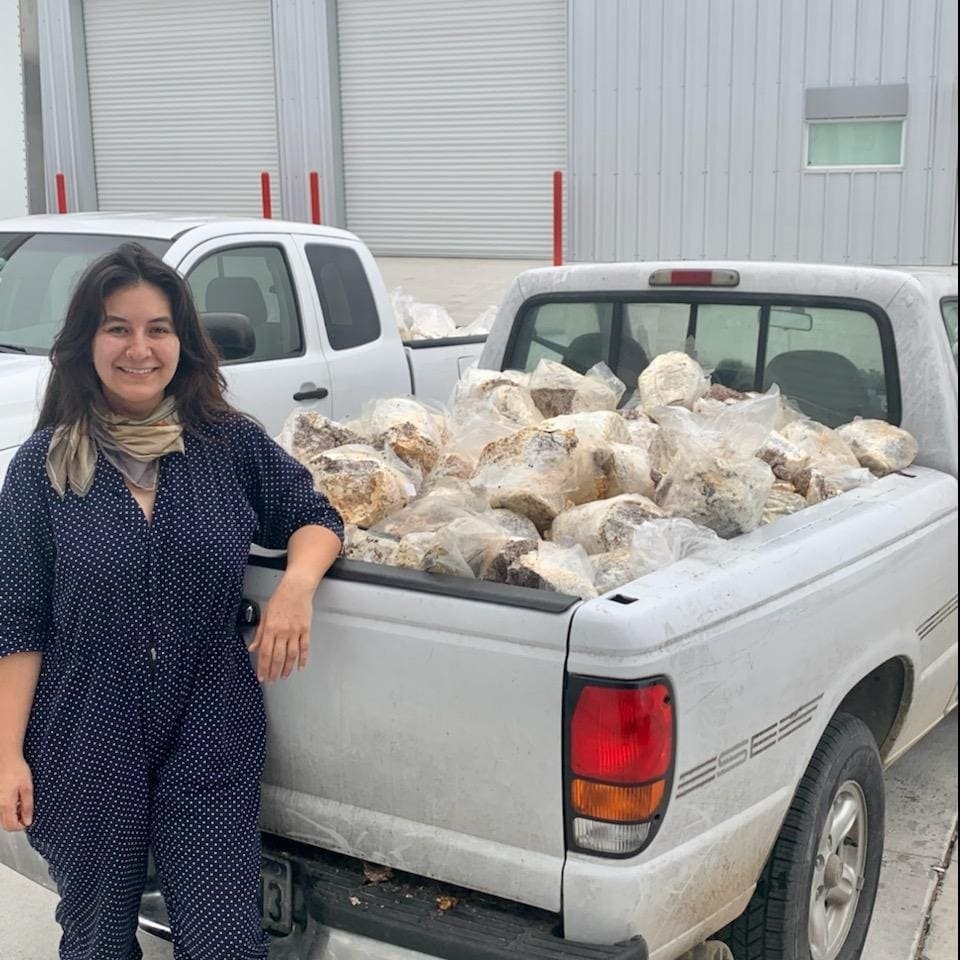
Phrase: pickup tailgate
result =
(437, 365)
(381, 748)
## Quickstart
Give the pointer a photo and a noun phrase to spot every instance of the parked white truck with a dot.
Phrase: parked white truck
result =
(698, 753)
(319, 327)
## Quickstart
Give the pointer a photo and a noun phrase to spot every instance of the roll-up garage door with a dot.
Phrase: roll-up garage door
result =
(182, 104)
(453, 118)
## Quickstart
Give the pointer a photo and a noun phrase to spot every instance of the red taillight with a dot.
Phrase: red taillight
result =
(622, 736)
(694, 278)
(620, 745)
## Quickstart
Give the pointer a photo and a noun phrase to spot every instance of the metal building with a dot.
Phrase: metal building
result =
(765, 129)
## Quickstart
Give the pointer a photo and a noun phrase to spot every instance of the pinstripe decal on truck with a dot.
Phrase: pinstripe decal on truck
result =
(733, 757)
(935, 619)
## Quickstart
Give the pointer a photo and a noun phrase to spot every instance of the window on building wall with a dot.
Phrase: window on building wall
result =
(855, 143)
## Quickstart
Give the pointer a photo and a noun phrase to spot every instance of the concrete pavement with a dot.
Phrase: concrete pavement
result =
(464, 287)
(915, 916)
(941, 938)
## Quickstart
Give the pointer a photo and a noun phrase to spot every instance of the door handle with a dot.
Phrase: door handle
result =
(318, 393)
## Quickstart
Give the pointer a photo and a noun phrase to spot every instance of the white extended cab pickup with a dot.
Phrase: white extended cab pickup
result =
(474, 737)
(304, 316)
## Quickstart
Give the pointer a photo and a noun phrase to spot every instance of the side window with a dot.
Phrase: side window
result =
(253, 281)
(349, 311)
(948, 309)
(575, 334)
(829, 361)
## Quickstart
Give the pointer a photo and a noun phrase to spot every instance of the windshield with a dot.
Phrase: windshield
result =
(38, 272)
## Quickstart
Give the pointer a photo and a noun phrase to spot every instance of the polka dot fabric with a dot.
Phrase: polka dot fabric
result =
(148, 727)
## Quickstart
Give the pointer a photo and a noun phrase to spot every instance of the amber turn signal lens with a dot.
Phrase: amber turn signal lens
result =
(606, 801)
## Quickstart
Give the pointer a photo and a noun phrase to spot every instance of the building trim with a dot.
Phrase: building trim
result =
(67, 131)
(306, 70)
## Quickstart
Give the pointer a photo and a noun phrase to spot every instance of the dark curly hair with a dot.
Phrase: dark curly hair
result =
(74, 386)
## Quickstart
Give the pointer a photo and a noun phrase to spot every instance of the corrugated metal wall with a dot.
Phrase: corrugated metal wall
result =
(183, 105)
(687, 130)
(453, 121)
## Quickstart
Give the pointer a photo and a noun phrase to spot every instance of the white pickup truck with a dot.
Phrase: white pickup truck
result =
(696, 754)
(318, 322)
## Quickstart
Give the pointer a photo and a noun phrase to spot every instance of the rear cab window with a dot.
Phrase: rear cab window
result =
(350, 314)
(834, 359)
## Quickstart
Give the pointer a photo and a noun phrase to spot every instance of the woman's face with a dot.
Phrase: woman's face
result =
(136, 350)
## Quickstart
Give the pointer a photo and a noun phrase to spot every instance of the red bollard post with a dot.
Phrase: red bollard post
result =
(265, 196)
(314, 196)
(61, 193)
(557, 218)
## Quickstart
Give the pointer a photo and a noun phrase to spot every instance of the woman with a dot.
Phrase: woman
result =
(130, 714)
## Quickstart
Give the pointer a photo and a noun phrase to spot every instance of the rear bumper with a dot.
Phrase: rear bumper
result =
(337, 914)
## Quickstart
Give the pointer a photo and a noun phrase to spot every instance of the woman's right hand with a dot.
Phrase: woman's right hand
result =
(16, 793)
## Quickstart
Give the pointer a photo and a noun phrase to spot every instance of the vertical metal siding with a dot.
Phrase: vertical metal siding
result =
(687, 130)
(182, 104)
(454, 117)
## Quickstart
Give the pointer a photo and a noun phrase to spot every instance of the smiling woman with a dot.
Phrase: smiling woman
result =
(125, 525)
(136, 350)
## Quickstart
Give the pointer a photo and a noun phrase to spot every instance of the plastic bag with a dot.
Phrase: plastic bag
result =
(552, 567)
(514, 524)
(495, 394)
(432, 511)
(654, 545)
(713, 477)
(402, 303)
(480, 326)
(604, 525)
(784, 458)
(412, 549)
(641, 428)
(607, 464)
(827, 450)
(531, 472)
(628, 470)
(817, 485)
(659, 543)
(363, 545)
(458, 547)
(364, 484)
(460, 454)
(305, 433)
(670, 379)
(879, 446)
(413, 431)
(430, 321)
(557, 390)
(783, 501)
(593, 428)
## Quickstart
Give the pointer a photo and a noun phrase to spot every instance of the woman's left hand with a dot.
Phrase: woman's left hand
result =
(282, 640)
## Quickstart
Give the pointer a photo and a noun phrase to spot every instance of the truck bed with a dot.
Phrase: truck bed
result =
(380, 749)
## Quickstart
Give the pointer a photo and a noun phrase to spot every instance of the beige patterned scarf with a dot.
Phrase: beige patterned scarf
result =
(134, 447)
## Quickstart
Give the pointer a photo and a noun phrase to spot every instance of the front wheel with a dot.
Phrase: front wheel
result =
(815, 896)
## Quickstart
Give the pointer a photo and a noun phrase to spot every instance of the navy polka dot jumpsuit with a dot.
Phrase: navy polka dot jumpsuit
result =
(147, 728)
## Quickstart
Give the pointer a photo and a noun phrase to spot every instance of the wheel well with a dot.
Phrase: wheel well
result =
(880, 700)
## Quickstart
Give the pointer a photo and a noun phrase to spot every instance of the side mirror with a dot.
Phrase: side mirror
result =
(231, 333)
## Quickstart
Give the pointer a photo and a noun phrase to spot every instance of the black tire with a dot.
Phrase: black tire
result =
(776, 923)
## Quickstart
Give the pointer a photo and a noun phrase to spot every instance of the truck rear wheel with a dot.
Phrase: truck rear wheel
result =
(815, 896)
